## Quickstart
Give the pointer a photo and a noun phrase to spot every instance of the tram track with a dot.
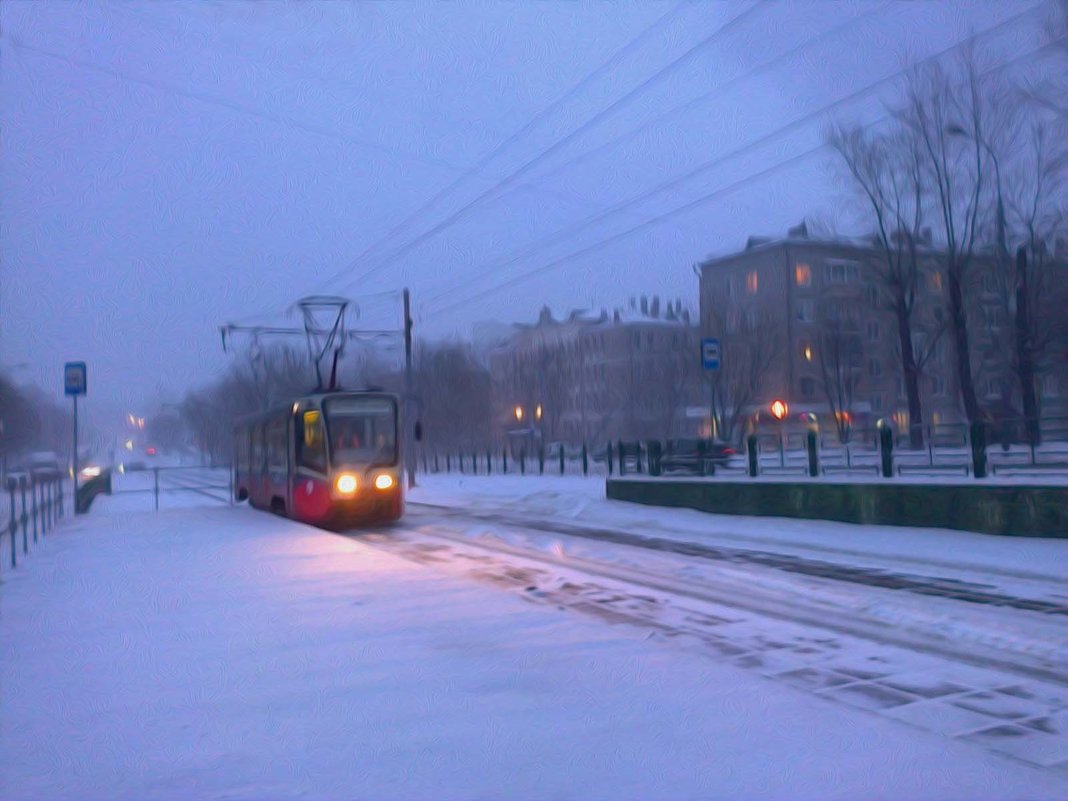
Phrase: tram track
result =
(727, 590)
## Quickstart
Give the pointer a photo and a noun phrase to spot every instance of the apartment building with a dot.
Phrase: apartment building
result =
(821, 307)
(594, 376)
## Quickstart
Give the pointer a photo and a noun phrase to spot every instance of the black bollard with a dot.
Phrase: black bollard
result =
(886, 451)
(813, 454)
(978, 430)
(752, 449)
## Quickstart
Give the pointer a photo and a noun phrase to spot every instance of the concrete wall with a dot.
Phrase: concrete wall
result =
(1021, 510)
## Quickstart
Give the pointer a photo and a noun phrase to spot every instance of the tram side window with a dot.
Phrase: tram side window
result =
(311, 443)
(242, 437)
(257, 449)
(276, 445)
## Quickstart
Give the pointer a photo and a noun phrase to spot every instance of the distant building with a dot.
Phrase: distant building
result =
(822, 304)
(591, 377)
(488, 335)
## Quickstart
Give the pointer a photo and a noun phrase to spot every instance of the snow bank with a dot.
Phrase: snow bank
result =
(225, 653)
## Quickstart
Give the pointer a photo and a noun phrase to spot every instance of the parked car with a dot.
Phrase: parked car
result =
(42, 462)
(698, 456)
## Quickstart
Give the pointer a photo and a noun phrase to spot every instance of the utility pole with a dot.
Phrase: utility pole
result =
(74, 463)
(409, 445)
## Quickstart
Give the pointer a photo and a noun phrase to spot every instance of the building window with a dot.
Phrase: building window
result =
(842, 272)
(901, 419)
(806, 352)
(875, 369)
(873, 296)
(877, 402)
(993, 388)
(934, 282)
(751, 319)
(806, 311)
(1049, 386)
(873, 330)
(808, 387)
(803, 275)
(938, 386)
(752, 282)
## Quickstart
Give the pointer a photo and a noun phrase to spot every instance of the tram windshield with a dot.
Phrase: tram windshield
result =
(361, 430)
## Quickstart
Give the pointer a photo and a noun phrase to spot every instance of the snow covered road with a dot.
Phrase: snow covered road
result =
(218, 652)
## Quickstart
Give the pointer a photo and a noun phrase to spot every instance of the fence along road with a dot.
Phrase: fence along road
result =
(170, 487)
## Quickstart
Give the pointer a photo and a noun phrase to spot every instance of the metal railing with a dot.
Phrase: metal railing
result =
(35, 503)
(976, 450)
(179, 479)
(562, 460)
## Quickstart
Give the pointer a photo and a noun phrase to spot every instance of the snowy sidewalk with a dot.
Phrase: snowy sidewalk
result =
(224, 653)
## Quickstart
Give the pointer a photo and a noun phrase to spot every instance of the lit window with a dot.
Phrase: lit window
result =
(752, 283)
(934, 282)
(802, 275)
(806, 352)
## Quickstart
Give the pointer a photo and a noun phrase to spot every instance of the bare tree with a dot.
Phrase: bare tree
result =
(887, 171)
(840, 356)
(454, 393)
(749, 347)
(1052, 92)
(265, 379)
(1035, 182)
(20, 420)
(946, 122)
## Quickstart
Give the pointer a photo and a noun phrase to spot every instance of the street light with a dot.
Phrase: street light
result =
(779, 409)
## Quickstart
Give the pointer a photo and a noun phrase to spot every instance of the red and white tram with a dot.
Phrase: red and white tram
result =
(330, 459)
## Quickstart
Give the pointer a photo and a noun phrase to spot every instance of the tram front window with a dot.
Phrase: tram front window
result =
(362, 431)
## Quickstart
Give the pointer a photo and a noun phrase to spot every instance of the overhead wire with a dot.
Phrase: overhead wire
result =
(596, 119)
(686, 207)
(633, 44)
(659, 119)
(231, 105)
(569, 231)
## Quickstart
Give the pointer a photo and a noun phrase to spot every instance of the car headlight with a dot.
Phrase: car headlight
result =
(346, 484)
(384, 482)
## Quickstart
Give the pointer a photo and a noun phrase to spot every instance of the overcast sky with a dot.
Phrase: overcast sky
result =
(169, 167)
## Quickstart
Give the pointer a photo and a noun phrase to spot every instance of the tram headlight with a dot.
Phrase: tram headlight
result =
(346, 484)
(384, 481)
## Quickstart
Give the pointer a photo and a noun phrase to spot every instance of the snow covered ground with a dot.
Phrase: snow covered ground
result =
(217, 652)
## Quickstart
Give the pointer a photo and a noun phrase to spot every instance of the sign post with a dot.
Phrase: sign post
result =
(710, 354)
(74, 384)
(710, 363)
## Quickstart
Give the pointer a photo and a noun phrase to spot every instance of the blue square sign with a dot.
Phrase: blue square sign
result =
(710, 354)
(74, 378)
